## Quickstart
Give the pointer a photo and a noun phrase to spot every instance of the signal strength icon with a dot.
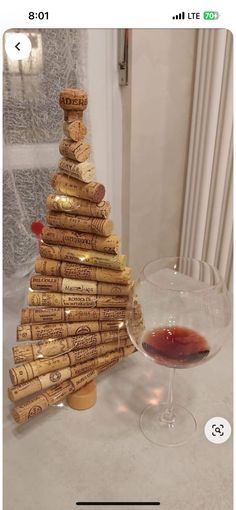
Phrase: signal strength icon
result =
(181, 15)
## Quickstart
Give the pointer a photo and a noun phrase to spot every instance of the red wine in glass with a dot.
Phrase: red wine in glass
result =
(179, 315)
(175, 346)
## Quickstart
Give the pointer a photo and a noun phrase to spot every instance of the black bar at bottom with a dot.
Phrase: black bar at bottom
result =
(117, 503)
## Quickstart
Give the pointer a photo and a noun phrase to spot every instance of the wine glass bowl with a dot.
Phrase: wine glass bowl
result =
(178, 316)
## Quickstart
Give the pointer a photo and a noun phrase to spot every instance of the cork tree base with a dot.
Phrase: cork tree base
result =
(84, 398)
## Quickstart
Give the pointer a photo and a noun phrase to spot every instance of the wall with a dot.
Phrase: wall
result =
(157, 112)
(105, 112)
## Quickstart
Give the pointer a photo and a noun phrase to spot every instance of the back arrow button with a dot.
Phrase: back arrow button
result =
(17, 46)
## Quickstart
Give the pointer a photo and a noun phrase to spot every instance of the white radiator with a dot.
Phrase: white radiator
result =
(207, 226)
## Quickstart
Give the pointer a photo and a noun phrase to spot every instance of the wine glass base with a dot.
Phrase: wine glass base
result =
(161, 433)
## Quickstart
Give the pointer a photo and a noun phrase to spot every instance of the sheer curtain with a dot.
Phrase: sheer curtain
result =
(32, 130)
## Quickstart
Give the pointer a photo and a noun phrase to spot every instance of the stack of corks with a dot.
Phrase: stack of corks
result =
(74, 327)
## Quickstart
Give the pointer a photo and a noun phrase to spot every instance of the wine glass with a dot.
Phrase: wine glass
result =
(178, 316)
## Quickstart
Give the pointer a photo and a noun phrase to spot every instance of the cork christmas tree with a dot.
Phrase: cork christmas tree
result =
(74, 327)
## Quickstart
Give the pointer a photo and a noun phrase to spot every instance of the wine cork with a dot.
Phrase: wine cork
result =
(78, 151)
(98, 362)
(31, 332)
(83, 240)
(47, 266)
(75, 300)
(103, 314)
(31, 408)
(83, 272)
(129, 349)
(73, 99)
(84, 398)
(81, 223)
(28, 371)
(43, 382)
(37, 405)
(82, 355)
(50, 315)
(48, 349)
(93, 191)
(46, 283)
(75, 130)
(43, 315)
(88, 257)
(110, 365)
(85, 171)
(72, 115)
(23, 390)
(92, 287)
(37, 384)
(78, 206)
(72, 286)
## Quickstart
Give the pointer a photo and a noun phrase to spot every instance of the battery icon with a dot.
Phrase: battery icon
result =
(211, 15)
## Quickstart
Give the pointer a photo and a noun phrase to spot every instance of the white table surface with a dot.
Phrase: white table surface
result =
(65, 456)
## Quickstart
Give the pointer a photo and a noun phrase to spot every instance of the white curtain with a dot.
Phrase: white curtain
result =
(32, 130)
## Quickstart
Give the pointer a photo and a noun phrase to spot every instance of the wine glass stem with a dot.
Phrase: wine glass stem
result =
(168, 416)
